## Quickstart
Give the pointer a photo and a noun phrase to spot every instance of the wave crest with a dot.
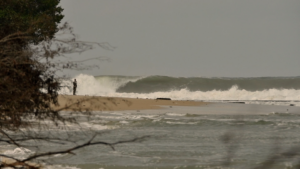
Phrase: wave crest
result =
(177, 89)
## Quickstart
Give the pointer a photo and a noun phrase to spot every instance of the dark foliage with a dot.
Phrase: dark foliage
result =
(22, 24)
(28, 83)
(20, 15)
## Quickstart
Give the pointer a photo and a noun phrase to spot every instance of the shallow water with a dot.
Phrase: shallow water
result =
(216, 135)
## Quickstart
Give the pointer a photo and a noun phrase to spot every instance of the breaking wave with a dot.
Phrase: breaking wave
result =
(195, 88)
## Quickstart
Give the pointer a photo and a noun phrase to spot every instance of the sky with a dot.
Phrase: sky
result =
(189, 38)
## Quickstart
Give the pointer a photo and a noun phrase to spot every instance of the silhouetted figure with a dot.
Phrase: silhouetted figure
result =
(49, 82)
(74, 87)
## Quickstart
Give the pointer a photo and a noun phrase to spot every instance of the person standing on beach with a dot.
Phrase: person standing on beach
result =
(74, 87)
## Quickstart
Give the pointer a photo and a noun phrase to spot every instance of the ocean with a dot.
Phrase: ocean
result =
(260, 90)
(244, 126)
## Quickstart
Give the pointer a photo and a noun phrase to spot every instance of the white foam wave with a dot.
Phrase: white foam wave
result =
(88, 125)
(19, 152)
(95, 86)
(60, 167)
(183, 123)
(112, 83)
(89, 85)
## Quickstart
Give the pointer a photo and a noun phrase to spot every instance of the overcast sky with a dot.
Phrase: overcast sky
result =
(210, 38)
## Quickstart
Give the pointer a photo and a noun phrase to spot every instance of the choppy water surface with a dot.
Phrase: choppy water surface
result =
(210, 136)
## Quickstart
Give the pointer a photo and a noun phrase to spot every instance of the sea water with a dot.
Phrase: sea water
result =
(262, 126)
(259, 90)
(215, 135)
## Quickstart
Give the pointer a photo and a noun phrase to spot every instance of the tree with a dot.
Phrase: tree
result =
(24, 23)
(42, 16)
(28, 85)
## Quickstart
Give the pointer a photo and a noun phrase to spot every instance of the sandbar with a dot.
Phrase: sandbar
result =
(99, 103)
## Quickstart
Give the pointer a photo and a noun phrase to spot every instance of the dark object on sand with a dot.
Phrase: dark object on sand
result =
(163, 98)
(238, 102)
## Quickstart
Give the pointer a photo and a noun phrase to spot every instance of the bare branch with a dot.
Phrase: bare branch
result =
(88, 143)
(10, 139)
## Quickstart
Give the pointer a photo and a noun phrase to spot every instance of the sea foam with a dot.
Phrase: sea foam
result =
(109, 85)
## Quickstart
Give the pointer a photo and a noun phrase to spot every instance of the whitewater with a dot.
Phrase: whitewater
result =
(216, 135)
(264, 90)
(205, 137)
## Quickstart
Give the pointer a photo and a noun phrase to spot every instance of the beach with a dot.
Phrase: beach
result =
(182, 134)
(98, 103)
(198, 128)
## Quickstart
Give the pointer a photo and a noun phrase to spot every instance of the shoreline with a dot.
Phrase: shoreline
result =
(100, 103)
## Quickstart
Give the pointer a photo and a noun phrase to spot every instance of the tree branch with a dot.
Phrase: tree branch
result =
(88, 143)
